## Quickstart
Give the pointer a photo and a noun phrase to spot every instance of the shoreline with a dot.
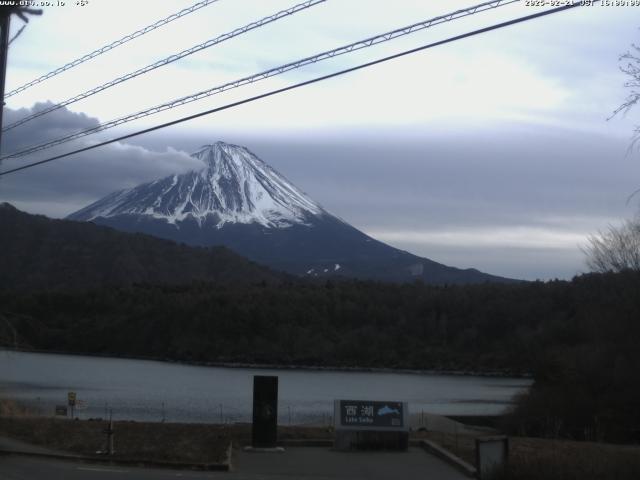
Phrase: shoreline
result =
(262, 366)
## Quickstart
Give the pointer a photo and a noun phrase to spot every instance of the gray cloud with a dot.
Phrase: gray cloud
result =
(512, 199)
(63, 186)
(491, 152)
(47, 127)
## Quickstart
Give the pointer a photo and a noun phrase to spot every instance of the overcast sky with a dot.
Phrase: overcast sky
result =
(492, 152)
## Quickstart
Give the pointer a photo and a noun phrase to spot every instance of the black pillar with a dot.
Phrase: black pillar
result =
(264, 431)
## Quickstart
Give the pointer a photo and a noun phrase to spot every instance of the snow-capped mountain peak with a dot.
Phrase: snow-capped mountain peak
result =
(238, 201)
(234, 186)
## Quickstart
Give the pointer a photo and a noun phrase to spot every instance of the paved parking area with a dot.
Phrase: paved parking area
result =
(304, 463)
(323, 463)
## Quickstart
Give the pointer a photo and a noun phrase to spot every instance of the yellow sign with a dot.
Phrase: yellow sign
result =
(71, 396)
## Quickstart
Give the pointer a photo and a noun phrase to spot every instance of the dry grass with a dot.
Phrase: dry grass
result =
(530, 458)
(534, 458)
(168, 442)
(546, 459)
(12, 408)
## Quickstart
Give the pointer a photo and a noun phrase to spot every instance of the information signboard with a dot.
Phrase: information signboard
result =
(371, 425)
(362, 413)
(71, 397)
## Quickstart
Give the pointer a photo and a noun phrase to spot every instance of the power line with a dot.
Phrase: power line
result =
(170, 59)
(5, 21)
(112, 45)
(368, 42)
(298, 85)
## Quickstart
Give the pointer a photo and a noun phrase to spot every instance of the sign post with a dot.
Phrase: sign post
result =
(371, 425)
(109, 431)
(71, 400)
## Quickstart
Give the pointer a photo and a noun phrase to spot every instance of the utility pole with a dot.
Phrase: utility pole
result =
(5, 24)
(4, 50)
(110, 433)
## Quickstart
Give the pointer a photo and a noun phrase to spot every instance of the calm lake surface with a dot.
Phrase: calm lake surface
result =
(149, 390)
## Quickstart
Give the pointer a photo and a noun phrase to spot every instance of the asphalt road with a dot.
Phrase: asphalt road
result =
(295, 463)
(31, 468)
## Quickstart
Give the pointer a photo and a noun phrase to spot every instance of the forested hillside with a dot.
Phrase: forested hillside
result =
(41, 253)
(579, 339)
(144, 297)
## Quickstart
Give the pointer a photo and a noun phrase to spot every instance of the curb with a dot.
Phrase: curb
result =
(218, 467)
(449, 457)
(306, 443)
(229, 457)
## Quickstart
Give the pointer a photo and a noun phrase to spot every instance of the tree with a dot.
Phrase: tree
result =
(631, 67)
(616, 249)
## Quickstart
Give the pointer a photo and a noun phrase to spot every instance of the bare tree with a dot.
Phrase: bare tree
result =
(616, 249)
(630, 66)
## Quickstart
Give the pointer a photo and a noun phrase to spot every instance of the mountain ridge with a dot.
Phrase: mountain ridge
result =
(239, 201)
(51, 254)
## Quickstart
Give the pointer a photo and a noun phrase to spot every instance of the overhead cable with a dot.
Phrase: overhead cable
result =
(112, 45)
(368, 42)
(295, 86)
(168, 60)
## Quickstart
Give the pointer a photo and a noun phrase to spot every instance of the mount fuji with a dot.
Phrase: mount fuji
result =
(239, 201)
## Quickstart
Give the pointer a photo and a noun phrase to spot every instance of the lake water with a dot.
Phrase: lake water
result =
(149, 390)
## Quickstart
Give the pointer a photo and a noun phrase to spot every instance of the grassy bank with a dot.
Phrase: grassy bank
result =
(143, 441)
(12, 408)
(133, 440)
(530, 458)
(549, 459)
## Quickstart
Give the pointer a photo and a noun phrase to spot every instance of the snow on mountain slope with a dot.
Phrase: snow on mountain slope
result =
(238, 201)
(234, 186)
